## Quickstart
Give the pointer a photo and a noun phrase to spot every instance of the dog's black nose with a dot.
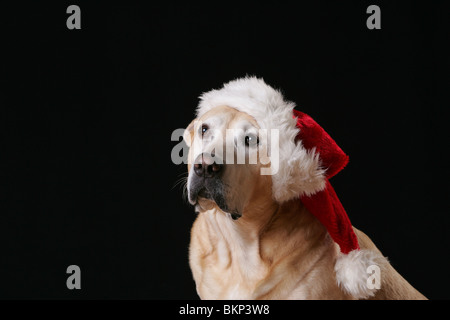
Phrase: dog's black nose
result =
(207, 170)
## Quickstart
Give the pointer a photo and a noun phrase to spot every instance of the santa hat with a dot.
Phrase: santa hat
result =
(308, 157)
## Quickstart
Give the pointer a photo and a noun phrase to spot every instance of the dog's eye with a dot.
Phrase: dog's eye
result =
(251, 140)
(204, 129)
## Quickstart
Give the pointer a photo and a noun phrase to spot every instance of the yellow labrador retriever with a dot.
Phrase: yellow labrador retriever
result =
(247, 245)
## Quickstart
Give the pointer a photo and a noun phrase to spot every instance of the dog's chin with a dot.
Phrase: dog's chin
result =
(205, 200)
(203, 204)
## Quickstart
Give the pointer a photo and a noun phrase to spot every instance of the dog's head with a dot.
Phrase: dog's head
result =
(225, 160)
(246, 145)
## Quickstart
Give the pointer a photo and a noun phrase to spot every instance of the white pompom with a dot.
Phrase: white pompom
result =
(352, 272)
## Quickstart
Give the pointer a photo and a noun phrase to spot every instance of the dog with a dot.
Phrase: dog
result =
(250, 240)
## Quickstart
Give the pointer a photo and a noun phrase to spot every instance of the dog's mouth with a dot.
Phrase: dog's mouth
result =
(204, 195)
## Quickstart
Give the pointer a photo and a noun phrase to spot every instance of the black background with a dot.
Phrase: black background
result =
(86, 118)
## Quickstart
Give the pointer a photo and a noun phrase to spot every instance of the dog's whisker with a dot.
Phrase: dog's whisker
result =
(185, 194)
(180, 181)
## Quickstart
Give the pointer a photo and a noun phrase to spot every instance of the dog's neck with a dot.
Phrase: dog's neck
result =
(259, 221)
(256, 219)
(266, 232)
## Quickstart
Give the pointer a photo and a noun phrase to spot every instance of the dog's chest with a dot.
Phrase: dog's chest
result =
(231, 265)
(229, 276)
(245, 281)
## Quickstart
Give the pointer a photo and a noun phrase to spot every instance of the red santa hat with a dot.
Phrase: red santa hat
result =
(308, 158)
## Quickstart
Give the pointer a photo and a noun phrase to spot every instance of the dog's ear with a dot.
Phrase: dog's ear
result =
(188, 134)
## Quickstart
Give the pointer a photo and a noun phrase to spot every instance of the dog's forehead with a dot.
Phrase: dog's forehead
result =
(224, 115)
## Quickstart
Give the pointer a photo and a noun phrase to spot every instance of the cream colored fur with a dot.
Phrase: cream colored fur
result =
(277, 249)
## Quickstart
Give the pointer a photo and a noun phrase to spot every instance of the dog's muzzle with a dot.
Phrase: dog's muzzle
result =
(206, 183)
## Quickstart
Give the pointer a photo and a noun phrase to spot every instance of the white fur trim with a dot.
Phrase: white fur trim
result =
(299, 170)
(352, 271)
